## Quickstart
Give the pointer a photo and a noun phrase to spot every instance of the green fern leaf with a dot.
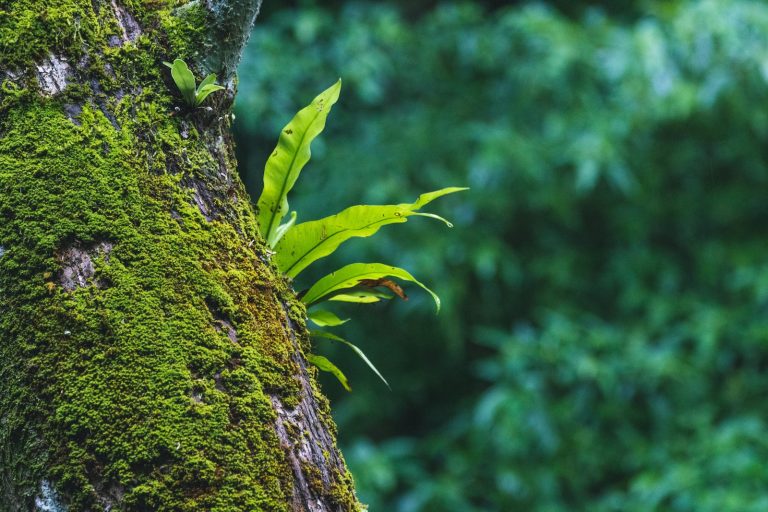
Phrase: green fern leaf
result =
(203, 91)
(307, 242)
(351, 275)
(324, 318)
(359, 296)
(184, 80)
(289, 157)
(324, 364)
(355, 348)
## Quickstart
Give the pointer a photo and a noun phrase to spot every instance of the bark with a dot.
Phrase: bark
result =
(151, 356)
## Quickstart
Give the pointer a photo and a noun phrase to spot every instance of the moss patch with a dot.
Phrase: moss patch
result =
(114, 366)
(148, 387)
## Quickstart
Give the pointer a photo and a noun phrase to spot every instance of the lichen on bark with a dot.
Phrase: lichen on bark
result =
(150, 354)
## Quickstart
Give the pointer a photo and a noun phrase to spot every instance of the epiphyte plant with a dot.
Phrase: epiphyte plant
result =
(296, 246)
(193, 94)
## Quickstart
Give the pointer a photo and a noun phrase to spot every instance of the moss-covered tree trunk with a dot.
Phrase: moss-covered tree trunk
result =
(151, 358)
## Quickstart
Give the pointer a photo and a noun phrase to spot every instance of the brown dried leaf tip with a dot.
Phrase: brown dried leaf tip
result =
(387, 283)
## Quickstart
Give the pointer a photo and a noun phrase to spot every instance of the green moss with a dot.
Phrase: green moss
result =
(132, 384)
(30, 30)
(118, 386)
(185, 30)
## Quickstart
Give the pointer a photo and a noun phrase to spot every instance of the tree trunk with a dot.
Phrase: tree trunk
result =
(151, 357)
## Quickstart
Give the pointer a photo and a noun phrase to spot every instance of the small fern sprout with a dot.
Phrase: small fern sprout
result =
(193, 94)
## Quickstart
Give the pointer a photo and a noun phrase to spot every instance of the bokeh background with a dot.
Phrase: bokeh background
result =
(603, 344)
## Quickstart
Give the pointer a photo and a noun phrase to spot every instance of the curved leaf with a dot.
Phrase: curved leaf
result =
(210, 79)
(204, 91)
(282, 230)
(325, 318)
(289, 157)
(351, 275)
(333, 337)
(359, 296)
(309, 241)
(184, 80)
(324, 364)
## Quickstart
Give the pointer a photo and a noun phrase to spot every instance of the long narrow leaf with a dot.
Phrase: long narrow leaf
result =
(307, 242)
(351, 275)
(359, 296)
(324, 318)
(324, 364)
(330, 336)
(289, 157)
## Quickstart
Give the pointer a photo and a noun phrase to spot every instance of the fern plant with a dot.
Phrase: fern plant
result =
(192, 94)
(296, 246)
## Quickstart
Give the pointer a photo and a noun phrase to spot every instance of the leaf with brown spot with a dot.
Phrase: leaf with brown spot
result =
(348, 277)
(387, 283)
(289, 158)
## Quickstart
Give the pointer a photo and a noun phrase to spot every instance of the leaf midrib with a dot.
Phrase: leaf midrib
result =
(288, 174)
(321, 242)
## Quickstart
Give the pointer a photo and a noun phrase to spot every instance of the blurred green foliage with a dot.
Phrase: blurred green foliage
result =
(604, 339)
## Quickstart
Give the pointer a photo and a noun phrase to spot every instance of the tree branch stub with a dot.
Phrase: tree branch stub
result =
(229, 27)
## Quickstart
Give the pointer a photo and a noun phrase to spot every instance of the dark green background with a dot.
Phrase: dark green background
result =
(603, 344)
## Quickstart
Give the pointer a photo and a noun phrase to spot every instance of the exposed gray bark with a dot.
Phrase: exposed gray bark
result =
(230, 23)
